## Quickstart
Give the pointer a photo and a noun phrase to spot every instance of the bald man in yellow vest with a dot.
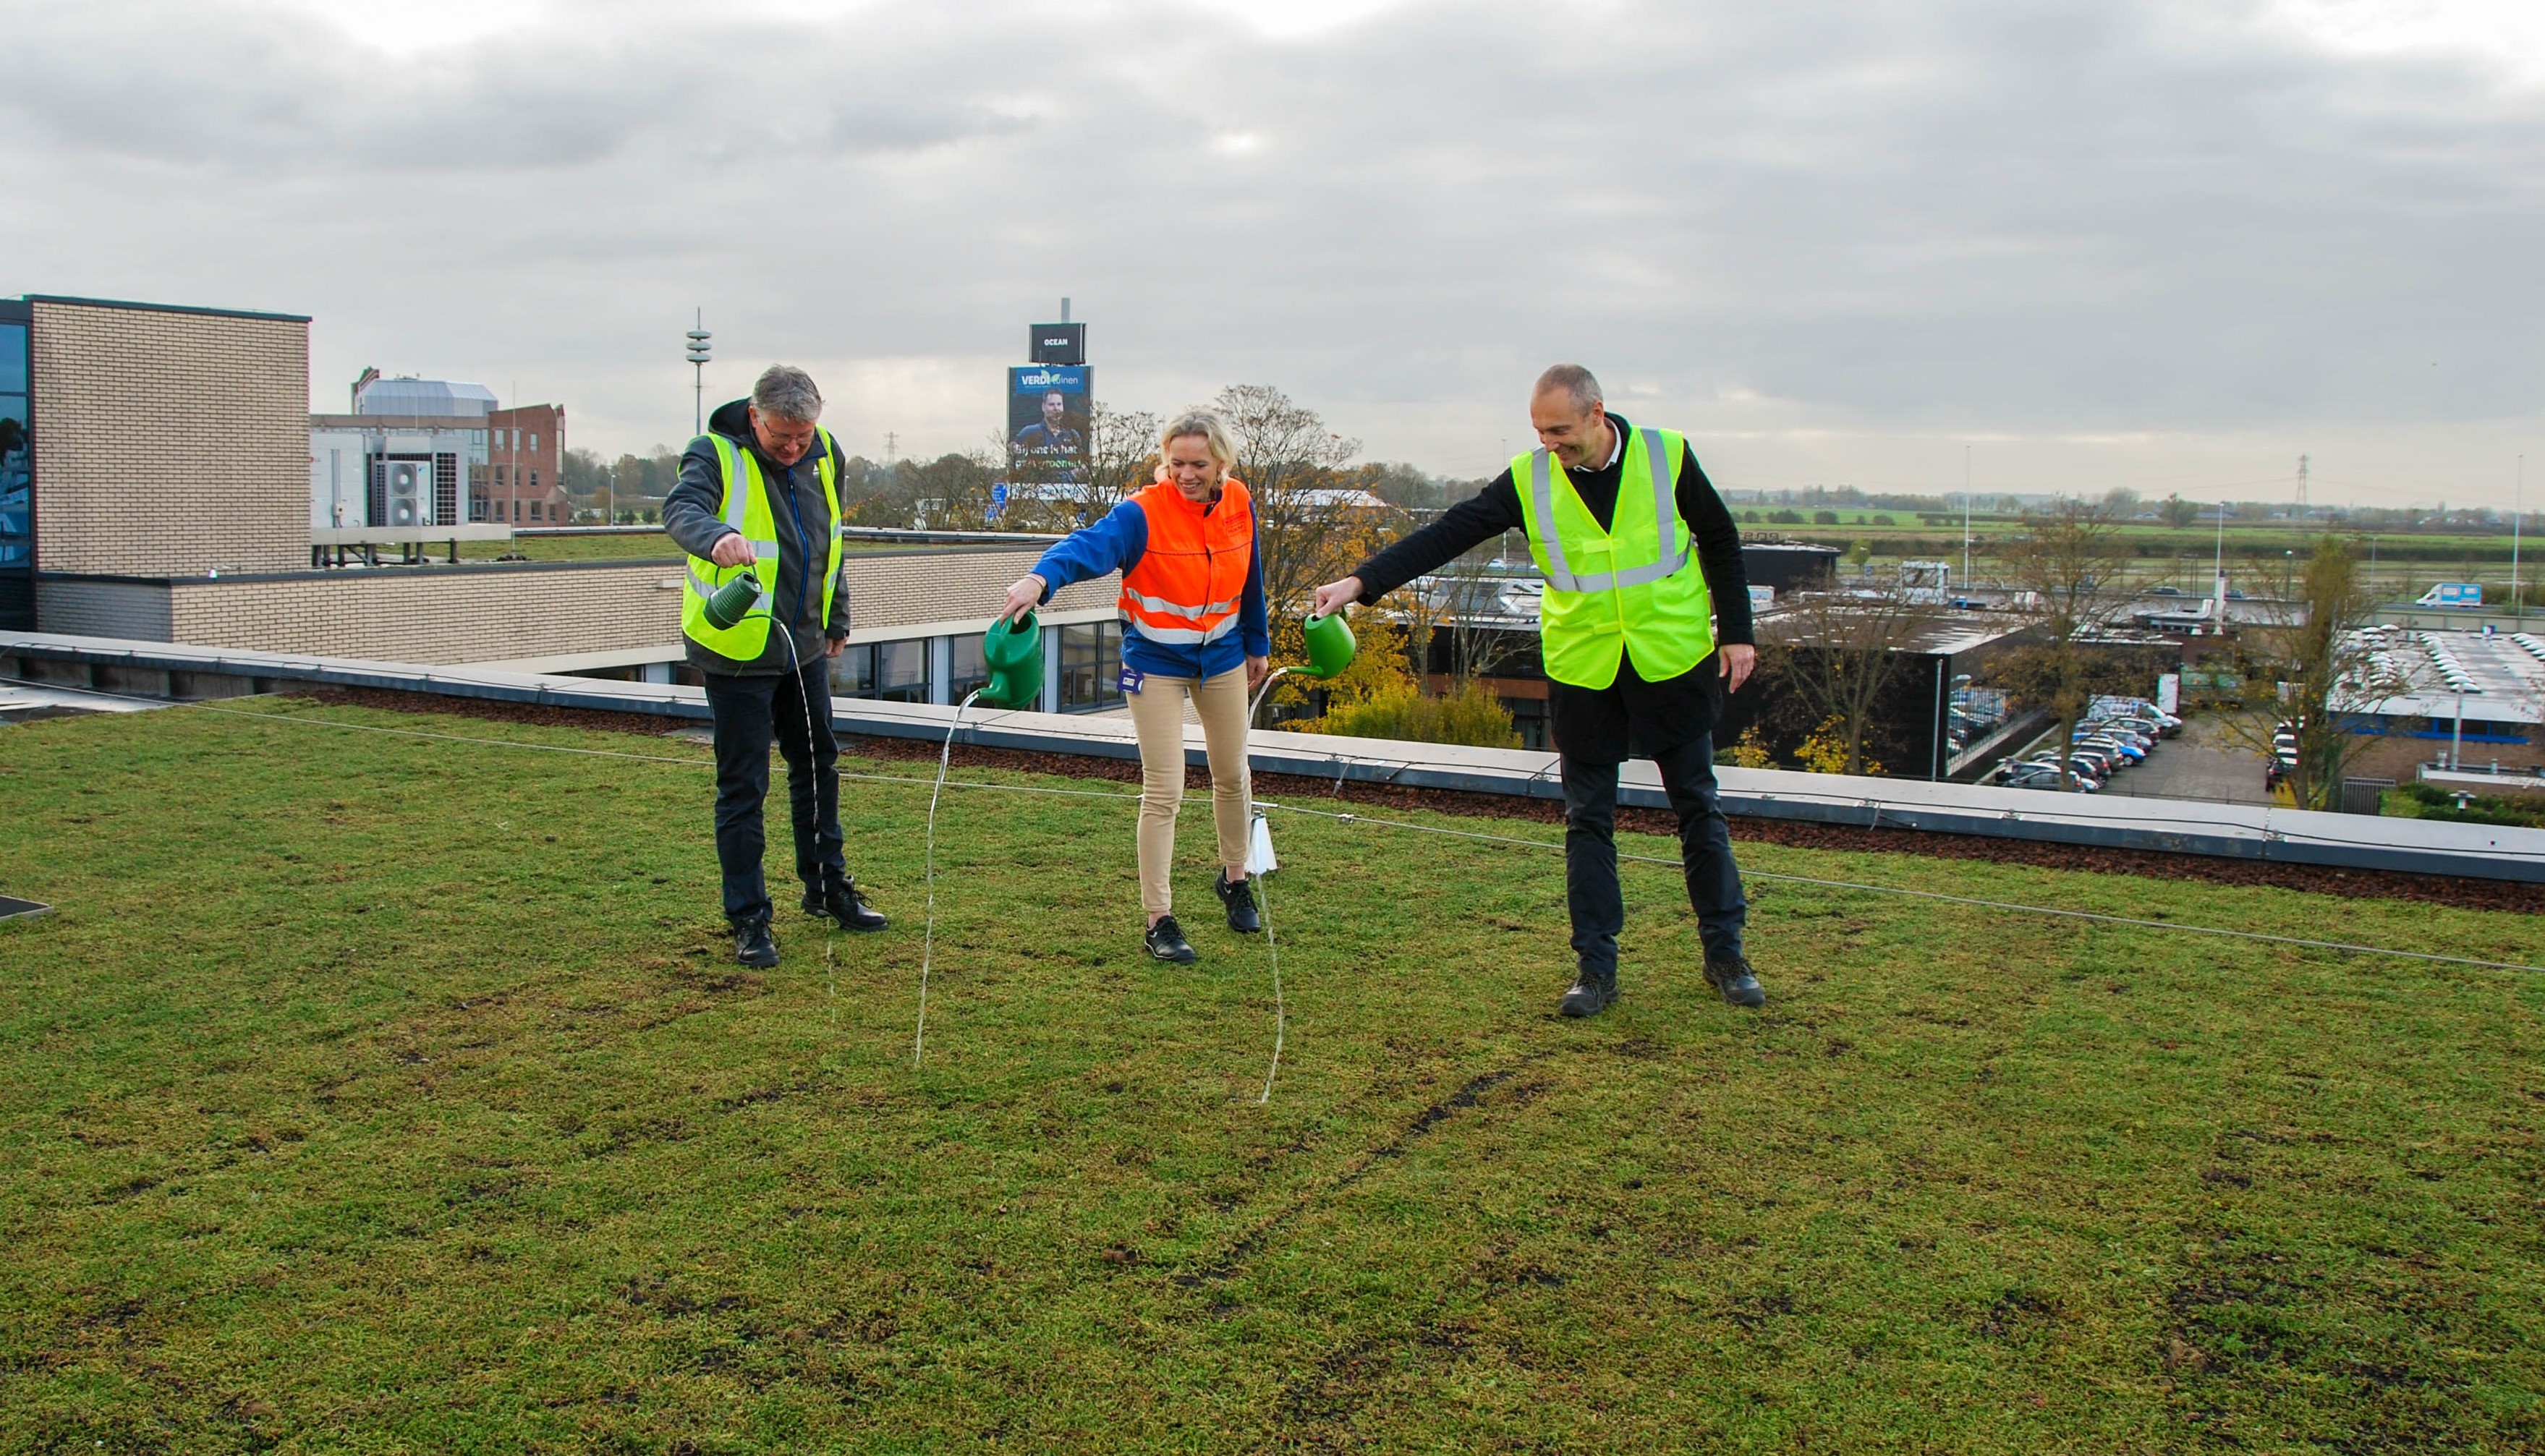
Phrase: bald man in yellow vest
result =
(1644, 630)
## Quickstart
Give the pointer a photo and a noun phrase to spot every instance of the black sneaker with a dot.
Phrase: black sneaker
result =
(753, 945)
(843, 903)
(1166, 941)
(1238, 898)
(1591, 995)
(1734, 979)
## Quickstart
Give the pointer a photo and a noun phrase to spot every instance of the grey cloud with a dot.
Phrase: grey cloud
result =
(2000, 215)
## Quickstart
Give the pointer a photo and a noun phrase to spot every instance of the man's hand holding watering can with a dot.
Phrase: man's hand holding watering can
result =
(1334, 597)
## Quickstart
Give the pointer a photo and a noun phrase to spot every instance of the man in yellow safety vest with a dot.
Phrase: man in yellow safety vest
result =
(759, 501)
(1644, 629)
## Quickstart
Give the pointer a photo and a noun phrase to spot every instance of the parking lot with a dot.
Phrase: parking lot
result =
(2204, 762)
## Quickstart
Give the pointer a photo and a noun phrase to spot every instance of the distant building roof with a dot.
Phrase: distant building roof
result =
(439, 397)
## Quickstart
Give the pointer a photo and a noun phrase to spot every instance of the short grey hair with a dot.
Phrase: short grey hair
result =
(1209, 426)
(1574, 380)
(787, 392)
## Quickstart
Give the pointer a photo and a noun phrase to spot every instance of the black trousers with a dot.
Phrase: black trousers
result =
(793, 710)
(1597, 905)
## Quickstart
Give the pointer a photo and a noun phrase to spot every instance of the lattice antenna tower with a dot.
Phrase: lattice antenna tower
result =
(702, 349)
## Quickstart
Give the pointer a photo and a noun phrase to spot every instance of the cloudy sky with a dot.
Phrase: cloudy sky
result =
(2167, 246)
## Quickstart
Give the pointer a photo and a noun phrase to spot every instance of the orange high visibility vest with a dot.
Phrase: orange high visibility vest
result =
(1186, 586)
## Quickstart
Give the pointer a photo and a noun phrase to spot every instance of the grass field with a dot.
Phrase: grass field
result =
(371, 1093)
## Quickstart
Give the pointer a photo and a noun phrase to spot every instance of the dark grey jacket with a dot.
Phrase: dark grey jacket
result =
(694, 518)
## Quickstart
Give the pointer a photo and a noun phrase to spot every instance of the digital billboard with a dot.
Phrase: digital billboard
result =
(1047, 422)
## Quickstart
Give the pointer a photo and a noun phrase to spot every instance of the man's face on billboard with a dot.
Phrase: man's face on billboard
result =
(1053, 407)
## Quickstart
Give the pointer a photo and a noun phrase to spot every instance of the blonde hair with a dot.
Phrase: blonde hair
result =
(1209, 426)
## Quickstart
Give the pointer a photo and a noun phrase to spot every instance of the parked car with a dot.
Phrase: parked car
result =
(2046, 775)
(2123, 755)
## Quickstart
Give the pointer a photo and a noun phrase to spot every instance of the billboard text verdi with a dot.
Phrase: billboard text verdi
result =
(1067, 378)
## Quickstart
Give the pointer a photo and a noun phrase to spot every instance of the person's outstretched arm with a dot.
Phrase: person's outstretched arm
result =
(1462, 528)
(1115, 544)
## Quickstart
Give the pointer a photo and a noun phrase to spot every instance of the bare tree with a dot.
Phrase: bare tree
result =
(1836, 653)
(2308, 664)
(2062, 563)
(1122, 453)
(1315, 527)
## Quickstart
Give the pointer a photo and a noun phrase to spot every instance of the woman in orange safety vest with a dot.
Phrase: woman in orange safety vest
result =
(1194, 626)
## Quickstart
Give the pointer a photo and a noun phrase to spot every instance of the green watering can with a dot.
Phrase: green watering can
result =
(733, 602)
(1330, 645)
(1013, 652)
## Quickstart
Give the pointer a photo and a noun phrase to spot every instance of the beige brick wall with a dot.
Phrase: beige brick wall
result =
(891, 589)
(170, 443)
(450, 615)
(104, 608)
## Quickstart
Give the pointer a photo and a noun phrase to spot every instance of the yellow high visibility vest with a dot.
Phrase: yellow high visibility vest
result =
(748, 510)
(1635, 586)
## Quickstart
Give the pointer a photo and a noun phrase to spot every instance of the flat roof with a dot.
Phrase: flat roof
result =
(2499, 674)
(285, 318)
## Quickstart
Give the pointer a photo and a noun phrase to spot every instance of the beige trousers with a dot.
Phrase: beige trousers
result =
(1158, 712)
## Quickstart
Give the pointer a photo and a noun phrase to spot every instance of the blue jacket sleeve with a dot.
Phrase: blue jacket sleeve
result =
(1253, 623)
(1115, 544)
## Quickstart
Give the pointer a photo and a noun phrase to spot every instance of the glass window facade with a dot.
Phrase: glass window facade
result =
(970, 672)
(894, 671)
(16, 476)
(1091, 666)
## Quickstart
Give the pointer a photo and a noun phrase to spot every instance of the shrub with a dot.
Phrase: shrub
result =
(1473, 716)
(2438, 803)
(1824, 517)
(1751, 752)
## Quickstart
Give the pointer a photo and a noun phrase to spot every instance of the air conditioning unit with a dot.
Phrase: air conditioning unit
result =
(409, 491)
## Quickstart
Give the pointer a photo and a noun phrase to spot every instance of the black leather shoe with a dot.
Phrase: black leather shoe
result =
(1734, 979)
(1239, 900)
(843, 903)
(1166, 941)
(1591, 994)
(753, 945)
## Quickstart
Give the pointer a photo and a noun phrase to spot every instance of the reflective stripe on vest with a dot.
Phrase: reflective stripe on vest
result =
(1643, 591)
(748, 508)
(1186, 586)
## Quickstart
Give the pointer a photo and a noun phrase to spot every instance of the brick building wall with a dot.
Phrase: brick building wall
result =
(500, 612)
(170, 442)
(524, 467)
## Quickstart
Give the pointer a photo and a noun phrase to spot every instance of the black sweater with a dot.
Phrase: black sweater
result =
(1496, 509)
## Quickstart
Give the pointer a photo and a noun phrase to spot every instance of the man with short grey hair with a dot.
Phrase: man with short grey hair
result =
(758, 503)
(1644, 628)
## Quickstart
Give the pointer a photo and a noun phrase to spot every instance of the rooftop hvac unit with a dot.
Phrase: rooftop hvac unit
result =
(409, 491)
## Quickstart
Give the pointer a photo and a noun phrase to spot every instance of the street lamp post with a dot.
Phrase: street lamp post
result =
(700, 349)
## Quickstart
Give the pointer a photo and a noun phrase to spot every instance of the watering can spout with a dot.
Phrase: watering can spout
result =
(1330, 645)
(1011, 651)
